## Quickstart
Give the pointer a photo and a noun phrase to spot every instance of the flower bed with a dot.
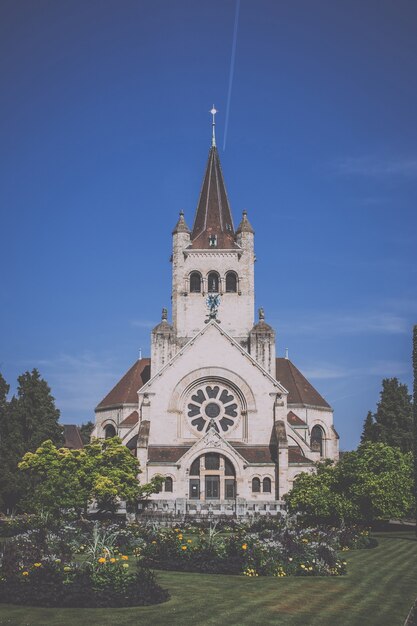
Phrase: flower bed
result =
(40, 568)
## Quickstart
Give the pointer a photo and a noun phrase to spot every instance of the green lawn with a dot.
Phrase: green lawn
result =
(379, 590)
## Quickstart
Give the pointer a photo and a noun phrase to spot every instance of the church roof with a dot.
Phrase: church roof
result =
(300, 391)
(125, 392)
(213, 215)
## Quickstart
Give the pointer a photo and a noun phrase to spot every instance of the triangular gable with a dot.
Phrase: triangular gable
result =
(230, 340)
(212, 442)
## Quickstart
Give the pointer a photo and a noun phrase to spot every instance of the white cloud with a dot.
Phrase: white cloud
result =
(79, 382)
(376, 166)
(345, 324)
(379, 368)
(142, 323)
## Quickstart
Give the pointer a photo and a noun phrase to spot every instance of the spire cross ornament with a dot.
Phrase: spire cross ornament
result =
(213, 138)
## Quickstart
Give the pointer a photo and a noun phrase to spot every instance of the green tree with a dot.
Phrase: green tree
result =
(37, 411)
(369, 432)
(105, 472)
(85, 432)
(393, 418)
(27, 420)
(374, 482)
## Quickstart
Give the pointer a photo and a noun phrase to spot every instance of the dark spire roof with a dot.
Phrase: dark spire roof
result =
(213, 217)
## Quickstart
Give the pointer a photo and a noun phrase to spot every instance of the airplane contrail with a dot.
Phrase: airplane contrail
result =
(232, 71)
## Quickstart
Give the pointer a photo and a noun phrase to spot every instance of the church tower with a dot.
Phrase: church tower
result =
(213, 262)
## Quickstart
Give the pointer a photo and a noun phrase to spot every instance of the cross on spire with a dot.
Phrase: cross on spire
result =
(213, 124)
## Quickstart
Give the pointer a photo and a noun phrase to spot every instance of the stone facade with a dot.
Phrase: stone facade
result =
(214, 411)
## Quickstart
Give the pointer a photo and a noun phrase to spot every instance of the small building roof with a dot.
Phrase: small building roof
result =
(300, 391)
(125, 391)
(72, 437)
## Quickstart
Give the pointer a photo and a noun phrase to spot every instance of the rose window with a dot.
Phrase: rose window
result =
(213, 405)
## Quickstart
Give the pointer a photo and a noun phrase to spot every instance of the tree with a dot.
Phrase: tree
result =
(369, 433)
(37, 411)
(25, 422)
(85, 432)
(415, 414)
(374, 482)
(393, 418)
(105, 471)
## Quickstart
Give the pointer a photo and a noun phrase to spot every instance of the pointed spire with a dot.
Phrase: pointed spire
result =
(181, 226)
(245, 225)
(213, 222)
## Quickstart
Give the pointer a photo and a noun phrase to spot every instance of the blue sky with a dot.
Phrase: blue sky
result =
(105, 134)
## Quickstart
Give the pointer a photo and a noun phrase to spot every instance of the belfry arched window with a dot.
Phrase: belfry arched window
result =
(195, 282)
(109, 431)
(213, 282)
(317, 439)
(256, 485)
(231, 282)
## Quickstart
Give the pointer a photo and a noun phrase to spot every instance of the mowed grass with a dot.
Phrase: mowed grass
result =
(379, 590)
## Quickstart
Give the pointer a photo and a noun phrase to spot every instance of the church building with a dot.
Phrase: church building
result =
(227, 423)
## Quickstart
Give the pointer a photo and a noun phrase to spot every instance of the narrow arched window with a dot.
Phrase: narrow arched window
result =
(231, 282)
(266, 485)
(195, 467)
(109, 431)
(168, 483)
(195, 282)
(213, 282)
(256, 485)
(316, 441)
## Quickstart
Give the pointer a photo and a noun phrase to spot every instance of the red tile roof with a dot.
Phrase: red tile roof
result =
(164, 454)
(213, 215)
(130, 420)
(125, 392)
(255, 454)
(294, 420)
(72, 437)
(300, 391)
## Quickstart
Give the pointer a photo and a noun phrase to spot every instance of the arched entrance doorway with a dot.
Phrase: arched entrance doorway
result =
(212, 476)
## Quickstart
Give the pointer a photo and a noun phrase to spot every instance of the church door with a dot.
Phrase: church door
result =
(212, 487)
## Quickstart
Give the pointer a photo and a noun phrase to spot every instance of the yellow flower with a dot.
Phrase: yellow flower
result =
(124, 557)
(113, 560)
(189, 541)
(177, 530)
(183, 547)
(125, 565)
(102, 559)
(153, 541)
(179, 536)
(67, 569)
(304, 540)
(244, 546)
(25, 573)
(37, 565)
(57, 560)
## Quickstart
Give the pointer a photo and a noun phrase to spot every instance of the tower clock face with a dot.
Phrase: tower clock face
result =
(213, 405)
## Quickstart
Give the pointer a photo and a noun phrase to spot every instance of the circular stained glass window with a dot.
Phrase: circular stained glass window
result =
(213, 405)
